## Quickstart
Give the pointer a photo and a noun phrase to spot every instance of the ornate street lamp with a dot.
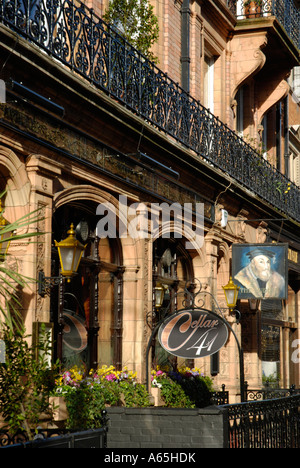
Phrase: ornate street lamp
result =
(70, 251)
(159, 293)
(231, 291)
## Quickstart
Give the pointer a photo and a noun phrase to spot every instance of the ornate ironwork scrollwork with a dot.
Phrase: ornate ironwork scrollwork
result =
(45, 284)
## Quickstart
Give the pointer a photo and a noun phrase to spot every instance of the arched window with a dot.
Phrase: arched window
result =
(172, 270)
(93, 301)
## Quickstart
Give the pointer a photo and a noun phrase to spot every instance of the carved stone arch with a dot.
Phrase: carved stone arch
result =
(193, 243)
(224, 251)
(83, 192)
(98, 196)
(14, 179)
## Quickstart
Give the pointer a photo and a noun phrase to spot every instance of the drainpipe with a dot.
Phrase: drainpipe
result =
(185, 45)
(286, 138)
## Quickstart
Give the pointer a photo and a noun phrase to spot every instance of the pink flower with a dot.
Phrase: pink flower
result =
(110, 377)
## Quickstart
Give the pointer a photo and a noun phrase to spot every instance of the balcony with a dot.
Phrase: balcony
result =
(286, 12)
(71, 33)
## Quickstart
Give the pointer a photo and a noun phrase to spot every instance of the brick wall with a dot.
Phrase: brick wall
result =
(167, 428)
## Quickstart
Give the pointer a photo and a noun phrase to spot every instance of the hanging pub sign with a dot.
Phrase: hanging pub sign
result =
(193, 333)
(260, 270)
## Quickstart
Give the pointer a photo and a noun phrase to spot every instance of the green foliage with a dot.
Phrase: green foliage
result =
(135, 395)
(136, 22)
(25, 381)
(11, 281)
(197, 389)
(84, 405)
(174, 396)
(86, 395)
(183, 388)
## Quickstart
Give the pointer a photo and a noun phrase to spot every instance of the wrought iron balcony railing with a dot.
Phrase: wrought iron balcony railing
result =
(285, 11)
(74, 35)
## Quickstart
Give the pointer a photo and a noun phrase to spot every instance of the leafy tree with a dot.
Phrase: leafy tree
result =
(136, 22)
(25, 381)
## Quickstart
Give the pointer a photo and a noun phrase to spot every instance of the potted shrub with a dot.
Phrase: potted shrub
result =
(253, 8)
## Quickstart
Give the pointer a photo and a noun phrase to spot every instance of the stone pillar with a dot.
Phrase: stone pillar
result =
(41, 173)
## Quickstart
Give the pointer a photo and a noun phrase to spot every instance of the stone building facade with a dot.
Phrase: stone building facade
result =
(87, 122)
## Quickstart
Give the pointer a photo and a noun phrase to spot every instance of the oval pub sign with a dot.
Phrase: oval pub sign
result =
(193, 333)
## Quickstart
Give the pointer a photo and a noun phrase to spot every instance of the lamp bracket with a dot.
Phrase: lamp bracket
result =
(195, 295)
(46, 283)
(238, 315)
(192, 291)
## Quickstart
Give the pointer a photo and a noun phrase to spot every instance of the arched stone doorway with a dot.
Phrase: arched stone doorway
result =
(92, 322)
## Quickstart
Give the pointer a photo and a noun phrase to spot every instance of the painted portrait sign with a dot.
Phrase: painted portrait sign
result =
(193, 333)
(260, 270)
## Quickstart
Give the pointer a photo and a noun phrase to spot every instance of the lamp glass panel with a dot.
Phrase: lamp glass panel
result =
(67, 255)
(230, 296)
(159, 296)
(77, 257)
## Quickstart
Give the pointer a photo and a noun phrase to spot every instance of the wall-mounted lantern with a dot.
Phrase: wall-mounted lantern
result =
(159, 293)
(70, 251)
(231, 291)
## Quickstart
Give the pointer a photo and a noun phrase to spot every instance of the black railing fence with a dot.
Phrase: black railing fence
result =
(57, 438)
(256, 424)
(269, 393)
(92, 438)
(220, 398)
(265, 424)
(74, 35)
